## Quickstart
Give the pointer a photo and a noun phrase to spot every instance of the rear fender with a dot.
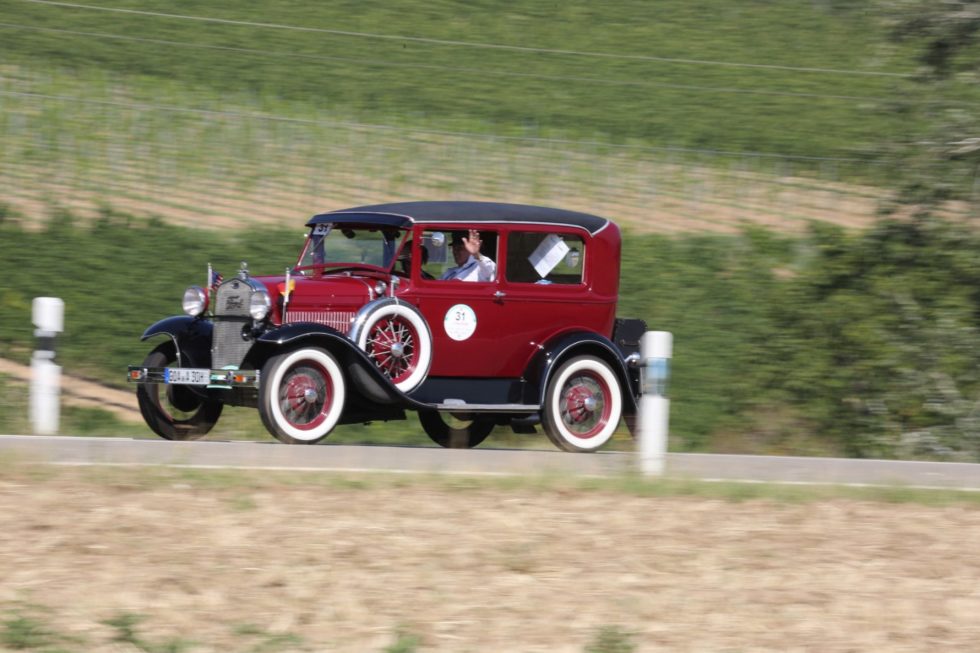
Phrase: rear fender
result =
(567, 346)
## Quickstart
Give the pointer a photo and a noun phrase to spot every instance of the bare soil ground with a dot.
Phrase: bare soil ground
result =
(783, 204)
(314, 564)
(82, 392)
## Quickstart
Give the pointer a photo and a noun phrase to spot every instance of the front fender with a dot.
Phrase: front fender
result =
(179, 325)
(190, 335)
(297, 330)
(363, 373)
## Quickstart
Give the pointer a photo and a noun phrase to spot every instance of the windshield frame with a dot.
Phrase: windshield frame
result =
(320, 234)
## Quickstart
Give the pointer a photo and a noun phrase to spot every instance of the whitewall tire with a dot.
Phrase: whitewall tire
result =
(583, 404)
(302, 395)
(395, 336)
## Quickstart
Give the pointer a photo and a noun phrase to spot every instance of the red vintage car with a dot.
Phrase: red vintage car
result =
(472, 314)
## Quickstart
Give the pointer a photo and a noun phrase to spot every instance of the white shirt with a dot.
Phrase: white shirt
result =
(475, 269)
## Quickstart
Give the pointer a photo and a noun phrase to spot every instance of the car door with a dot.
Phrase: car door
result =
(545, 286)
(468, 320)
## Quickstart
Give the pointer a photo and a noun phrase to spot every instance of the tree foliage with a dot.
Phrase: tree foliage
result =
(940, 161)
(883, 345)
(866, 340)
(947, 30)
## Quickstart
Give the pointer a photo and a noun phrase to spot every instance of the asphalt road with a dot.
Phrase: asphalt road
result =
(481, 461)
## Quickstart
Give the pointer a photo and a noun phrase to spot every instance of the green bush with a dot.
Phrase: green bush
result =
(612, 639)
(835, 342)
(868, 340)
(21, 633)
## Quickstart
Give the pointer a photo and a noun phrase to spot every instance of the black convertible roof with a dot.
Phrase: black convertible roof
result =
(402, 214)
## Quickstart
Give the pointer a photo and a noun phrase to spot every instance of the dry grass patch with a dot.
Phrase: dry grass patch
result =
(357, 563)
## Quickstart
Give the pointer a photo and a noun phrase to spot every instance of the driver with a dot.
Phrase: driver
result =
(471, 265)
(405, 259)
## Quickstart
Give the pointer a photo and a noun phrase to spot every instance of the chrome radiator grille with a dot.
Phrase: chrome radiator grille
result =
(227, 345)
(230, 318)
(231, 299)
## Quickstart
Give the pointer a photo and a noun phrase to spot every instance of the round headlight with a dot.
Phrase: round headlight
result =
(259, 304)
(195, 300)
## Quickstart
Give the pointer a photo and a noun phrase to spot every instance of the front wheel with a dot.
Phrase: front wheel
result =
(454, 432)
(583, 404)
(175, 412)
(302, 395)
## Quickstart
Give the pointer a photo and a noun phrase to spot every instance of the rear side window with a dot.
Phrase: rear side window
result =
(545, 258)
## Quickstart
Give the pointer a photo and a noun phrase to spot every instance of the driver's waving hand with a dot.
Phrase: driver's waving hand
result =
(471, 265)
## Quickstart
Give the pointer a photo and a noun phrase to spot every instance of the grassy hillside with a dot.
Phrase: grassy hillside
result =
(790, 78)
(671, 116)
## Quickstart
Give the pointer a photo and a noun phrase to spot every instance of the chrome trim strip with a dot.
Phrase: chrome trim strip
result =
(460, 407)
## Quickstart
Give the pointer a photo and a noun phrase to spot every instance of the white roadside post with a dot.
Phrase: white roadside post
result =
(48, 316)
(656, 350)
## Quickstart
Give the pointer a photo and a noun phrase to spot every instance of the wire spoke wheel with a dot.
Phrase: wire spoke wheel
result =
(393, 345)
(175, 412)
(396, 338)
(454, 430)
(583, 404)
(302, 395)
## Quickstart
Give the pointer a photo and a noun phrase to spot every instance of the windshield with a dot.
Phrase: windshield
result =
(333, 246)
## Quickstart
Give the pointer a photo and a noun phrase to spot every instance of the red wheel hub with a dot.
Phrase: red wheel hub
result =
(580, 408)
(393, 344)
(300, 391)
(584, 405)
(305, 396)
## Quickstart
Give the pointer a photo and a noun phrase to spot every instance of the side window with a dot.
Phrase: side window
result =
(446, 256)
(545, 258)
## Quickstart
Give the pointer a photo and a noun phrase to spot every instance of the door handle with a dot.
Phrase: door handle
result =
(499, 295)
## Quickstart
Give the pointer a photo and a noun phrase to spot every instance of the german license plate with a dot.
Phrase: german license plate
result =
(187, 376)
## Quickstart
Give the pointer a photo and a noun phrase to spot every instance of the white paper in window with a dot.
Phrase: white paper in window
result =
(548, 254)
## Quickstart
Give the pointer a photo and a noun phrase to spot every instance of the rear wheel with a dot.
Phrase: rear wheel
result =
(455, 430)
(175, 412)
(302, 395)
(583, 404)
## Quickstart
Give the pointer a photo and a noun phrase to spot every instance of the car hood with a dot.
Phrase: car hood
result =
(318, 299)
(339, 287)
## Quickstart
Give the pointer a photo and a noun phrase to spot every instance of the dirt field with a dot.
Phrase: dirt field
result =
(325, 565)
(81, 392)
